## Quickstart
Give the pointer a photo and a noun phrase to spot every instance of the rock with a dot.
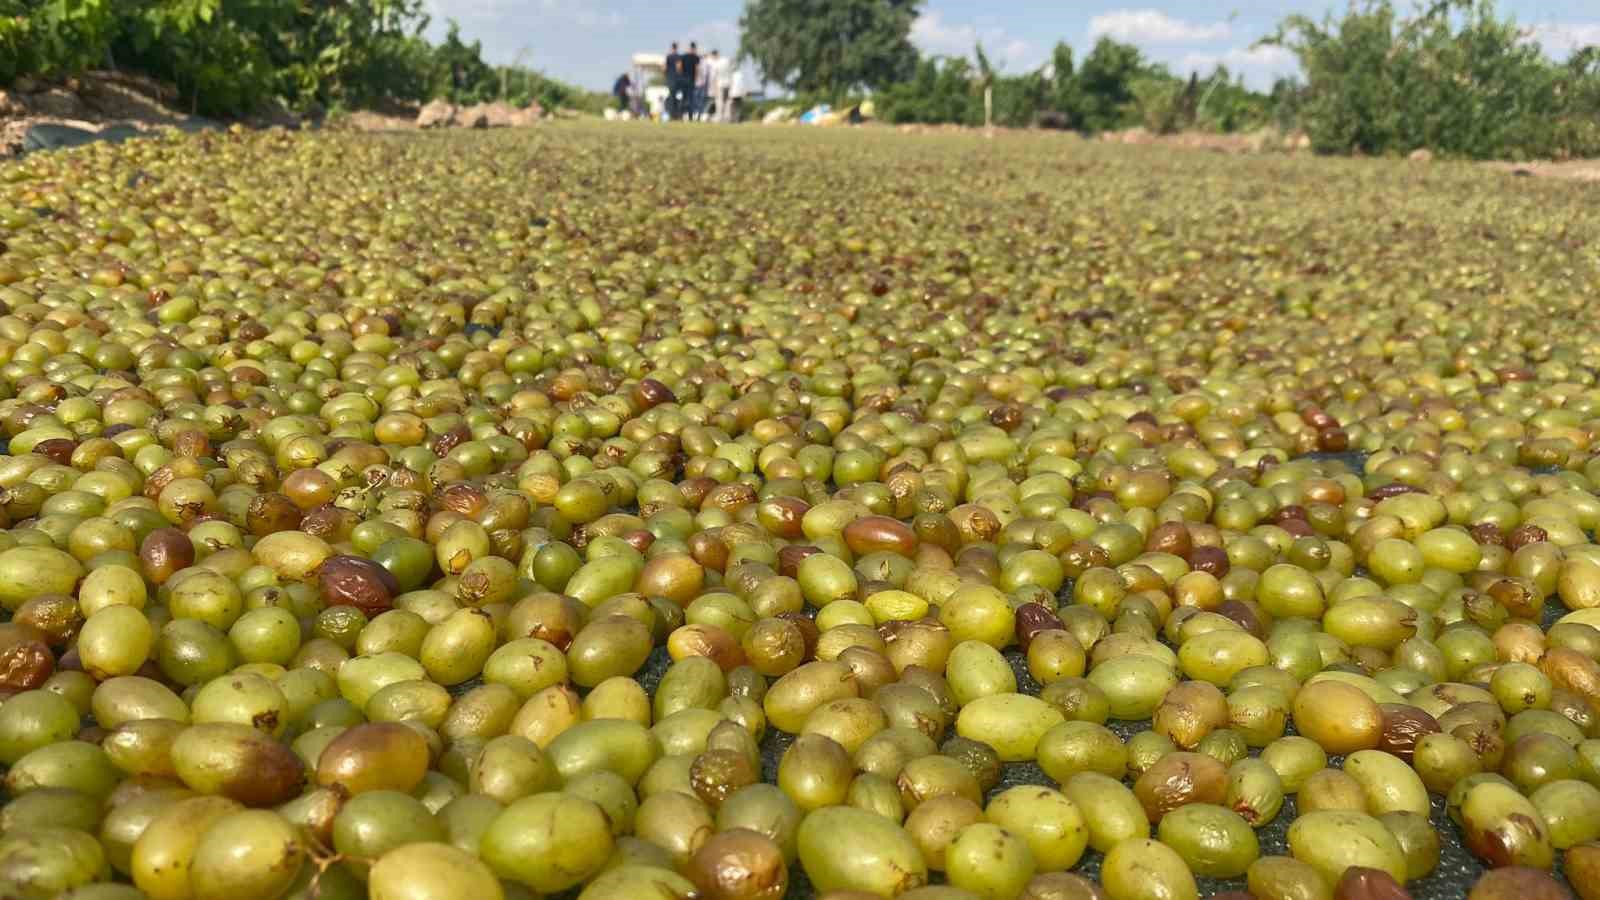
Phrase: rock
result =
(498, 114)
(366, 120)
(58, 103)
(23, 84)
(10, 106)
(437, 114)
(527, 116)
(1421, 155)
(1298, 141)
(501, 114)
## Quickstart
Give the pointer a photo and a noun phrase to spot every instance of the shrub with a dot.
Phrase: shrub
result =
(1457, 79)
(229, 57)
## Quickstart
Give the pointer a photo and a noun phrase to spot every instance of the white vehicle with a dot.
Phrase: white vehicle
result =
(649, 99)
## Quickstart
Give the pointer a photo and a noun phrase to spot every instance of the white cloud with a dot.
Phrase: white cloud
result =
(1152, 26)
(1241, 57)
(1566, 37)
(1257, 65)
(933, 35)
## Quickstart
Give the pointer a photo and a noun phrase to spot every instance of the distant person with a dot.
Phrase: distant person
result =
(705, 80)
(737, 90)
(722, 87)
(622, 90)
(688, 72)
(674, 69)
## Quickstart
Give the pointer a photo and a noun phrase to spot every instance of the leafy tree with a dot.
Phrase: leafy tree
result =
(1352, 100)
(230, 57)
(939, 92)
(1455, 78)
(1159, 104)
(461, 75)
(833, 47)
(1287, 101)
(1104, 85)
(1113, 87)
(54, 37)
(217, 52)
(1063, 86)
(357, 52)
(1225, 105)
(1019, 99)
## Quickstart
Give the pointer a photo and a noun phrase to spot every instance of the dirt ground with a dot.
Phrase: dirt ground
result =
(92, 102)
(99, 100)
(1572, 169)
(1270, 142)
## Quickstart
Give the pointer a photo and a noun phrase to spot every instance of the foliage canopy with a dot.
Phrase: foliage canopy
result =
(838, 46)
(1456, 78)
(228, 57)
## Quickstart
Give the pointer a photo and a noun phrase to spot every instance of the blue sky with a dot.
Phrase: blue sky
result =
(589, 41)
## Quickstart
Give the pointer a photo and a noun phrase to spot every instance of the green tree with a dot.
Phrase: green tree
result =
(219, 53)
(461, 75)
(940, 91)
(833, 47)
(1224, 104)
(229, 57)
(1018, 99)
(54, 37)
(1062, 72)
(1105, 85)
(355, 53)
(1352, 99)
(1455, 78)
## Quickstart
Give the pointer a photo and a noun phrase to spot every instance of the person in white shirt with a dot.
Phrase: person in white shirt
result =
(722, 86)
(704, 78)
(736, 94)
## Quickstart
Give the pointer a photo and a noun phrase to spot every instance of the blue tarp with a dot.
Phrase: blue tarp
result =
(48, 136)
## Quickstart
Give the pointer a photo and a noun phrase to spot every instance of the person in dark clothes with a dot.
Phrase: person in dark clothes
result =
(674, 69)
(689, 67)
(622, 90)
